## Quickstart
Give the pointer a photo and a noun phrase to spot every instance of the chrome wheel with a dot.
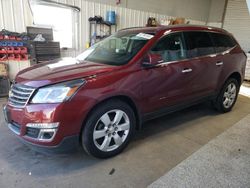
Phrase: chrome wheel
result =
(229, 95)
(111, 130)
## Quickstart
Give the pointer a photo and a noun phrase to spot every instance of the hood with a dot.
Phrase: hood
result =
(60, 70)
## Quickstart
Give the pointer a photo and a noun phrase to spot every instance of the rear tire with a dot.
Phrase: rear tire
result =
(108, 129)
(227, 97)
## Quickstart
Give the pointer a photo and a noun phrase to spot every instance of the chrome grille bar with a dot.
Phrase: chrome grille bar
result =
(19, 92)
(19, 95)
(12, 99)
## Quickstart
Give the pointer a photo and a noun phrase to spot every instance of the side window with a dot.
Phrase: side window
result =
(198, 44)
(171, 48)
(222, 42)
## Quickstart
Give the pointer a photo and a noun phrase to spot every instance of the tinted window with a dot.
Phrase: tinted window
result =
(171, 48)
(198, 44)
(222, 42)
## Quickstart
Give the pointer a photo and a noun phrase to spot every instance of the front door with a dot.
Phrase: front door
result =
(169, 82)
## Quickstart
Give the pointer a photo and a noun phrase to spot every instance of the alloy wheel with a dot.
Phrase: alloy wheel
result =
(229, 95)
(111, 130)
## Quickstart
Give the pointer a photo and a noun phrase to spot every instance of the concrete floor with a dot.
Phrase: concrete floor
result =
(164, 143)
(223, 162)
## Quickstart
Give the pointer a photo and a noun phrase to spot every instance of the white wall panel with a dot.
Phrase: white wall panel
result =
(1, 15)
(216, 11)
(8, 15)
(215, 24)
(237, 21)
(125, 18)
(15, 15)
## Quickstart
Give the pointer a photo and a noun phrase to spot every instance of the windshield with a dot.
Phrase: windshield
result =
(117, 49)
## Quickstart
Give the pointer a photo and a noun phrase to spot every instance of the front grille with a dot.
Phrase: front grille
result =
(19, 95)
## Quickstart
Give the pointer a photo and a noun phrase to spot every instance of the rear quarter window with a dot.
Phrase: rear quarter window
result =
(222, 42)
(198, 44)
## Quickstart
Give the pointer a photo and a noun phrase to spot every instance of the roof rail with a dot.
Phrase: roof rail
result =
(131, 28)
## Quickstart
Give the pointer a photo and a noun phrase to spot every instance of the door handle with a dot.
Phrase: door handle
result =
(187, 70)
(219, 63)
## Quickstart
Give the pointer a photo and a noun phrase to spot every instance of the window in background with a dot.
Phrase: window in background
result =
(61, 20)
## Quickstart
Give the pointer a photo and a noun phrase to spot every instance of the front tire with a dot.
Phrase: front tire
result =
(227, 96)
(108, 129)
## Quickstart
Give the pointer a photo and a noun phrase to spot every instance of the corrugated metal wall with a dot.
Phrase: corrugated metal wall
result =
(237, 21)
(125, 18)
(15, 15)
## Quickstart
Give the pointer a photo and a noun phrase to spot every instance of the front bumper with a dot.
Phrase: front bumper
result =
(66, 137)
(68, 144)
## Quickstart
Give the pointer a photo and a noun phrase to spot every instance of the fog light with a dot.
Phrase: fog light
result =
(47, 134)
(42, 131)
(43, 125)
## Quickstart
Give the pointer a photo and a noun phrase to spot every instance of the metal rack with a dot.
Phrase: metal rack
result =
(97, 31)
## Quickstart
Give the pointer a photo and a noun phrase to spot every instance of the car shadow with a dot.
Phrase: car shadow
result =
(22, 159)
(174, 120)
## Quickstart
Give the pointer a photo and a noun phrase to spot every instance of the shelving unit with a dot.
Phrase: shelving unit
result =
(13, 50)
(13, 54)
(99, 31)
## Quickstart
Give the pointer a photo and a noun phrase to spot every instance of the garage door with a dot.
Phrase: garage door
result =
(237, 21)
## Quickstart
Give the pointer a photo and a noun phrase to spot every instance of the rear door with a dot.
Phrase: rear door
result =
(226, 56)
(202, 54)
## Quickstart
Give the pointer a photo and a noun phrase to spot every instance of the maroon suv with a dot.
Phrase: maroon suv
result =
(100, 98)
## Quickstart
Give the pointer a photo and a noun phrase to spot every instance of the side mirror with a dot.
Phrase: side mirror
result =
(152, 60)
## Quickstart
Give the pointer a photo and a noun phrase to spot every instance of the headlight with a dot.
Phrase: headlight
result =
(57, 93)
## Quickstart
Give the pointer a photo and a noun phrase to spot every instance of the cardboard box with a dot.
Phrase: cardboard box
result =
(177, 21)
(3, 70)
